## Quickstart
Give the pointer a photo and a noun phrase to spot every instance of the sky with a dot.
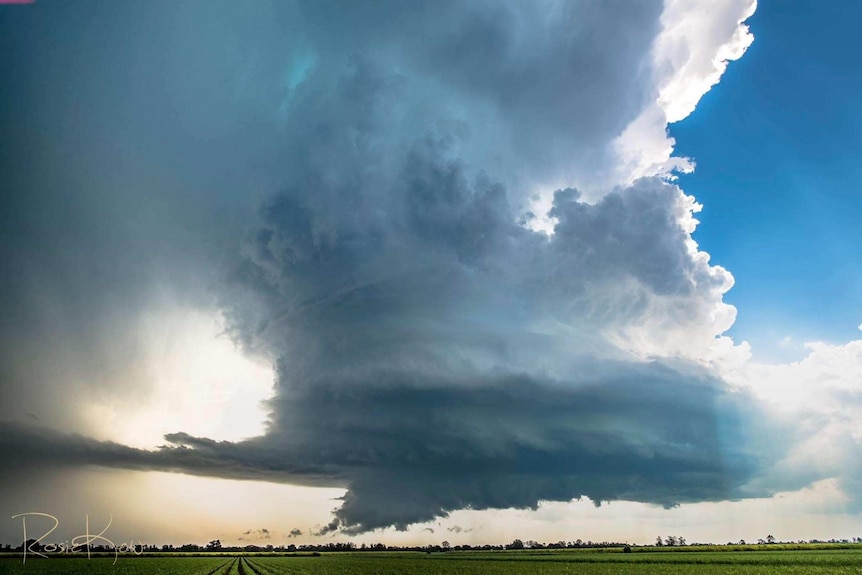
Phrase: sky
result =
(298, 272)
(784, 118)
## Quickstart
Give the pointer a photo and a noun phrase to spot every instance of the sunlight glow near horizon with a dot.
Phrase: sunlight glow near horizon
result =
(199, 383)
(225, 508)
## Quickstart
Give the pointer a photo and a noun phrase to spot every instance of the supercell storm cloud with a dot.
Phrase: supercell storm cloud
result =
(434, 350)
(455, 235)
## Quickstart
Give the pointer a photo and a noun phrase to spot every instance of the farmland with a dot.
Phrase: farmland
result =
(738, 562)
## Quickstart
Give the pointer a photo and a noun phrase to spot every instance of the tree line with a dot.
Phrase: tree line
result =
(216, 546)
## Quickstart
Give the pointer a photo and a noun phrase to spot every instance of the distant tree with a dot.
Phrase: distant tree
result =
(658, 541)
(670, 540)
(214, 545)
(627, 548)
(741, 542)
(516, 544)
(445, 545)
(770, 539)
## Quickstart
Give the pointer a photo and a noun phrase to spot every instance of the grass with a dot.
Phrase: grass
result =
(832, 561)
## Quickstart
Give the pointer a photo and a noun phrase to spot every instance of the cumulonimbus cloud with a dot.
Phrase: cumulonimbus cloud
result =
(434, 350)
(438, 355)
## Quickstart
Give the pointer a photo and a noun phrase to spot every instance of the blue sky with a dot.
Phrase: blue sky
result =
(777, 149)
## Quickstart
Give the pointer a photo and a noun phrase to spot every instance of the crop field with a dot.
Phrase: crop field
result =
(805, 562)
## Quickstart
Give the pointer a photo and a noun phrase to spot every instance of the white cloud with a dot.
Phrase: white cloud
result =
(811, 383)
(694, 48)
(818, 401)
(689, 55)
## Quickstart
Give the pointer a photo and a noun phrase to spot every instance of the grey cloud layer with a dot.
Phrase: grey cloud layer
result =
(410, 453)
(432, 352)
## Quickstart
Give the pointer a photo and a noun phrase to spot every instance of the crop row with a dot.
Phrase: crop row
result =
(847, 562)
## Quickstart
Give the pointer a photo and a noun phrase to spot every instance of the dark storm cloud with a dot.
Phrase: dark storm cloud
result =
(432, 352)
(413, 452)
(434, 355)
(541, 88)
(419, 452)
(137, 138)
(439, 356)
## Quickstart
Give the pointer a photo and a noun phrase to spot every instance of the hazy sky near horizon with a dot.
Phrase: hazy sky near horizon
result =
(408, 272)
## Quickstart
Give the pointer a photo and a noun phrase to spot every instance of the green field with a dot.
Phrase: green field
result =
(806, 562)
